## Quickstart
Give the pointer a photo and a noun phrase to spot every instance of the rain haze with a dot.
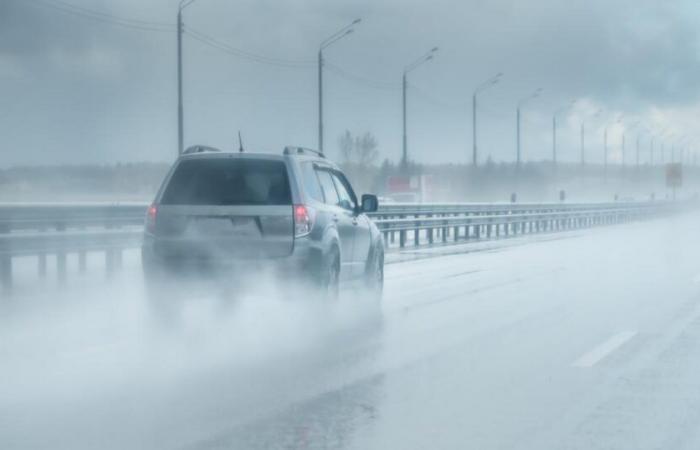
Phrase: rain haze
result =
(349, 225)
(99, 92)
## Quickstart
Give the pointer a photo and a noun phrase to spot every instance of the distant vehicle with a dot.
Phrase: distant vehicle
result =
(295, 212)
(405, 197)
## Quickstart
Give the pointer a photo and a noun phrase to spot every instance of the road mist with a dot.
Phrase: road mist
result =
(97, 365)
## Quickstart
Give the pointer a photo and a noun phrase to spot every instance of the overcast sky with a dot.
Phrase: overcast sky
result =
(77, 89)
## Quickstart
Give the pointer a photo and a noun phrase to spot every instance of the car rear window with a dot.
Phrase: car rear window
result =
(227, 181)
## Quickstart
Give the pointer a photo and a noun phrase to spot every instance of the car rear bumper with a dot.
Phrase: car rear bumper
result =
(303, 259)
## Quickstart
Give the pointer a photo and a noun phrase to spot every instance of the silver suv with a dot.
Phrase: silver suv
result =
(295, 212)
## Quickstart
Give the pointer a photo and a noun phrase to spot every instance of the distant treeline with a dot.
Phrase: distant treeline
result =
(127, 181)
(533, 181)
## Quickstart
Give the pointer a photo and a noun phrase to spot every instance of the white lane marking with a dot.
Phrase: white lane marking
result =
(597, 354)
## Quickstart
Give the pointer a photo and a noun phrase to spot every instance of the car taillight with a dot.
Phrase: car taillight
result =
(151, 218)
(303, 220)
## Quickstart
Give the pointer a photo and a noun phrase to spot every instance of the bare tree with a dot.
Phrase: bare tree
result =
(347, 146)
(359, 155)
(360, 151)
(366, 150)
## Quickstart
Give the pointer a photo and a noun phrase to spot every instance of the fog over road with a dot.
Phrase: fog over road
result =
(579, 340)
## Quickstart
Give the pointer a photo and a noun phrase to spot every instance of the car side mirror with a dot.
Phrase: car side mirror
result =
(369, 203)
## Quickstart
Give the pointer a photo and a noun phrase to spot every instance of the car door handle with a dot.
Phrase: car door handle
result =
(335, 217)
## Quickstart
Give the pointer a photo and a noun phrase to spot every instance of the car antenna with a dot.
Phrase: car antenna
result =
(240, 142)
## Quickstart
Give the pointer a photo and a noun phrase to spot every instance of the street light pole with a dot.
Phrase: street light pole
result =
(426, 57)
(624, 157)
(535, 94)
(554, 130)
(474, 151)
(490, 82)
(320, 100)
(605, 153)
(554, 140)
(404, 151)
(624, 153)
(328, 41)
(180, 113)
(583, 139)
(605, 148)
(180, 137)
(583, 129)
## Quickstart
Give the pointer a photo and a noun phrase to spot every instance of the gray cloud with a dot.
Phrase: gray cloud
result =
(77, 89)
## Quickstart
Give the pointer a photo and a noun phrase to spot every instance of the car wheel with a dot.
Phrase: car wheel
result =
(374, 275)
(330, 276)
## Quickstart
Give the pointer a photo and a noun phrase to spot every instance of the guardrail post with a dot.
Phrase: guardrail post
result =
(445, 230)
(41, 269)
(416, 233)
(429, 232)
(82, 261)
(61, 266)
(42, 265)
(61, 258)
(6, 272)
(109, 262)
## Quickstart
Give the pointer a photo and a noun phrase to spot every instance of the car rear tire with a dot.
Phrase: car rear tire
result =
(374, 274)
(329, 276)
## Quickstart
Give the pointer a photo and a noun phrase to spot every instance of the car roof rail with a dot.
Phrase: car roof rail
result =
(200, 149)
(290, 150)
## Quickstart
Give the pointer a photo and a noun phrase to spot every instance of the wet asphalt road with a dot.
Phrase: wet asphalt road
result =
(587, 340)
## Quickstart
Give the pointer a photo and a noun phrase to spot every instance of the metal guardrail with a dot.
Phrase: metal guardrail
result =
(61, 229)
(455, 228)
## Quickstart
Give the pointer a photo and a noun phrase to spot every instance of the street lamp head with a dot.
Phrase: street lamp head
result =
(356, 21)
(433, 50)
(489, 82)
(184, 4)
(564, 108)
(425, 58)
(535, 94)
(338, 35)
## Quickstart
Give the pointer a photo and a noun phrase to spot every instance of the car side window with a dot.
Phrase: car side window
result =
(311, 182)
(328, 187)
(347, 198)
